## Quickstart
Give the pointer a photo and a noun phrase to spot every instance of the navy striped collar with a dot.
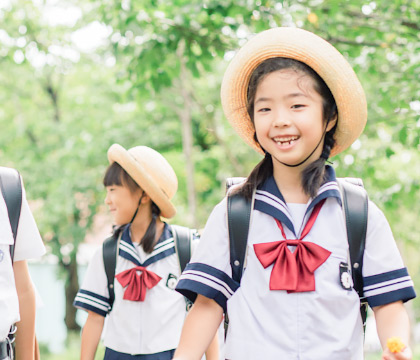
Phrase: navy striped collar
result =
(269, 200)
(164, 247)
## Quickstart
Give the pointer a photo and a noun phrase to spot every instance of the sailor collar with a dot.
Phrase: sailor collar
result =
(269, 200)
(164, 247)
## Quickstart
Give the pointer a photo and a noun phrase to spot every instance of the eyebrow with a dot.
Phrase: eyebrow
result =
(288, 96)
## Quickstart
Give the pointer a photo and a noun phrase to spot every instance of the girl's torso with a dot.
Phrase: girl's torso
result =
(139, 327)
(323, 323)
(301, 325)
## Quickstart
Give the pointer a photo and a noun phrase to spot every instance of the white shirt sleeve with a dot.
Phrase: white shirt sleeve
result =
(93, 294)
(385, 278)
(209, 272)
(29, 244)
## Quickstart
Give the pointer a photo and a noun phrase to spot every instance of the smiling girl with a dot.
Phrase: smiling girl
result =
(147, 314)
(294, 98)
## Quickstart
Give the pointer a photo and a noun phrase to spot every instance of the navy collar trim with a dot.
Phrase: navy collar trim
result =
(164, 247)
(269, 200)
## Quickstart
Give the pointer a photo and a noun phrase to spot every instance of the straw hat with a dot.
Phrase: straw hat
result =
(310, 49)
(151, 172)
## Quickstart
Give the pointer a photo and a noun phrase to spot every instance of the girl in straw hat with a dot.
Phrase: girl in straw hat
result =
(147, 314)
(294, 98)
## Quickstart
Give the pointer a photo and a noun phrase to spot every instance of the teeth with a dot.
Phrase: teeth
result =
(288, 140)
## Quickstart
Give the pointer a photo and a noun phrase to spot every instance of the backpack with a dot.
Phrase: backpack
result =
(355, 204)
(183, 238)
(11, 188)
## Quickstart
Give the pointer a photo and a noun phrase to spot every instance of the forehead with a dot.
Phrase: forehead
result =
(290, 76)
(287, 82)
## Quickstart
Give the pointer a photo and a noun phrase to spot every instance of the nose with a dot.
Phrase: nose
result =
(281, 118)
(107, 200)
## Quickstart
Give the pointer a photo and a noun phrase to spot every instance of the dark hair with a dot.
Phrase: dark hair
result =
(149, 239)
(116, 175)
(313, 175)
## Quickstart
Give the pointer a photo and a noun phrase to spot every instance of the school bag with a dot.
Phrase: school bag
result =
(182, 236)
(11, 188)
(355, 204)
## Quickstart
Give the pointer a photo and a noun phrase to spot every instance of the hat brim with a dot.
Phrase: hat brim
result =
(310, 49)
(118, 154)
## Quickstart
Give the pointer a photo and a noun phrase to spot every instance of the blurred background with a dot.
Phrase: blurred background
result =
(77, 76)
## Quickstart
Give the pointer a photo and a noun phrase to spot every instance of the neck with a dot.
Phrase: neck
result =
(289, 182)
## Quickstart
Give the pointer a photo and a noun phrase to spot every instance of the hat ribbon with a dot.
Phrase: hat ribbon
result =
(137, 284)
(293, 272)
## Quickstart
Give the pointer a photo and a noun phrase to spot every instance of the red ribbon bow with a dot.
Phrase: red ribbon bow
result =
(137, 284)
(293, 272)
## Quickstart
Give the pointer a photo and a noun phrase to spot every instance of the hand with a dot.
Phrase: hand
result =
(406, 354)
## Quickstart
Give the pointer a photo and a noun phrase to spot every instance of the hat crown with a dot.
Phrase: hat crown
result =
(157, 167)
(151, 171)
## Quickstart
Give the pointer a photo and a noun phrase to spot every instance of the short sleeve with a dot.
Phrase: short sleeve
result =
(29, 244)
(209, 272)
(385, 277)
(93, 294)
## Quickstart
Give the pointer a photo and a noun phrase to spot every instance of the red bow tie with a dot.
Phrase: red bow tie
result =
(137, 284)
(293, 272)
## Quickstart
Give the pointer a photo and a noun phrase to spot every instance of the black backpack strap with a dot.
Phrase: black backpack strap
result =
(239, 209)
(183, 238)
(109, 255)
(355, 203)
(11, 187)
(238, 217)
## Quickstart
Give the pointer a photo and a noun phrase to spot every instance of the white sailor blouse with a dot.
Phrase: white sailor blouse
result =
(295, 309)
(142, 321)
(29, 245)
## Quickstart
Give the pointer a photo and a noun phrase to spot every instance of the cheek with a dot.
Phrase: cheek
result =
(261, 127)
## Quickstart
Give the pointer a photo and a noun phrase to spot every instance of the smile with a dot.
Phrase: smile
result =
(285, 140)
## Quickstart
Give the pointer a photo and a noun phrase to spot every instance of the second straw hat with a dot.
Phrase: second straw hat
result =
(315, 52)
(151, 171)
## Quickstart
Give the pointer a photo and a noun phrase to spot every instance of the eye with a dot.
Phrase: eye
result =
(265, 109)
(298, 106)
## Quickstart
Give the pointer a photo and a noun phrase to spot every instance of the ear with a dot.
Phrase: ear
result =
(332, 122)
(146, 198)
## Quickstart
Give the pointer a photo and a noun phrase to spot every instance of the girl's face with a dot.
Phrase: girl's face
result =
(122, 202)
(288, 117)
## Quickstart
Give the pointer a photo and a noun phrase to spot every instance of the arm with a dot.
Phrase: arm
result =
(392, 320)
(212, 352)
(199, 329)
(25, 335)
(91, 334)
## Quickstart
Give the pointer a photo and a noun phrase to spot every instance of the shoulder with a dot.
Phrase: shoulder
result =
(376, 217)
(221, 208)
(97, 258)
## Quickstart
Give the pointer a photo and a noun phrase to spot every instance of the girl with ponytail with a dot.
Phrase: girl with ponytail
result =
(147, 314)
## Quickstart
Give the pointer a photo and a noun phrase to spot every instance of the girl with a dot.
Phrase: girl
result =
(293, 97)
(147, 314)
(17, 294)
